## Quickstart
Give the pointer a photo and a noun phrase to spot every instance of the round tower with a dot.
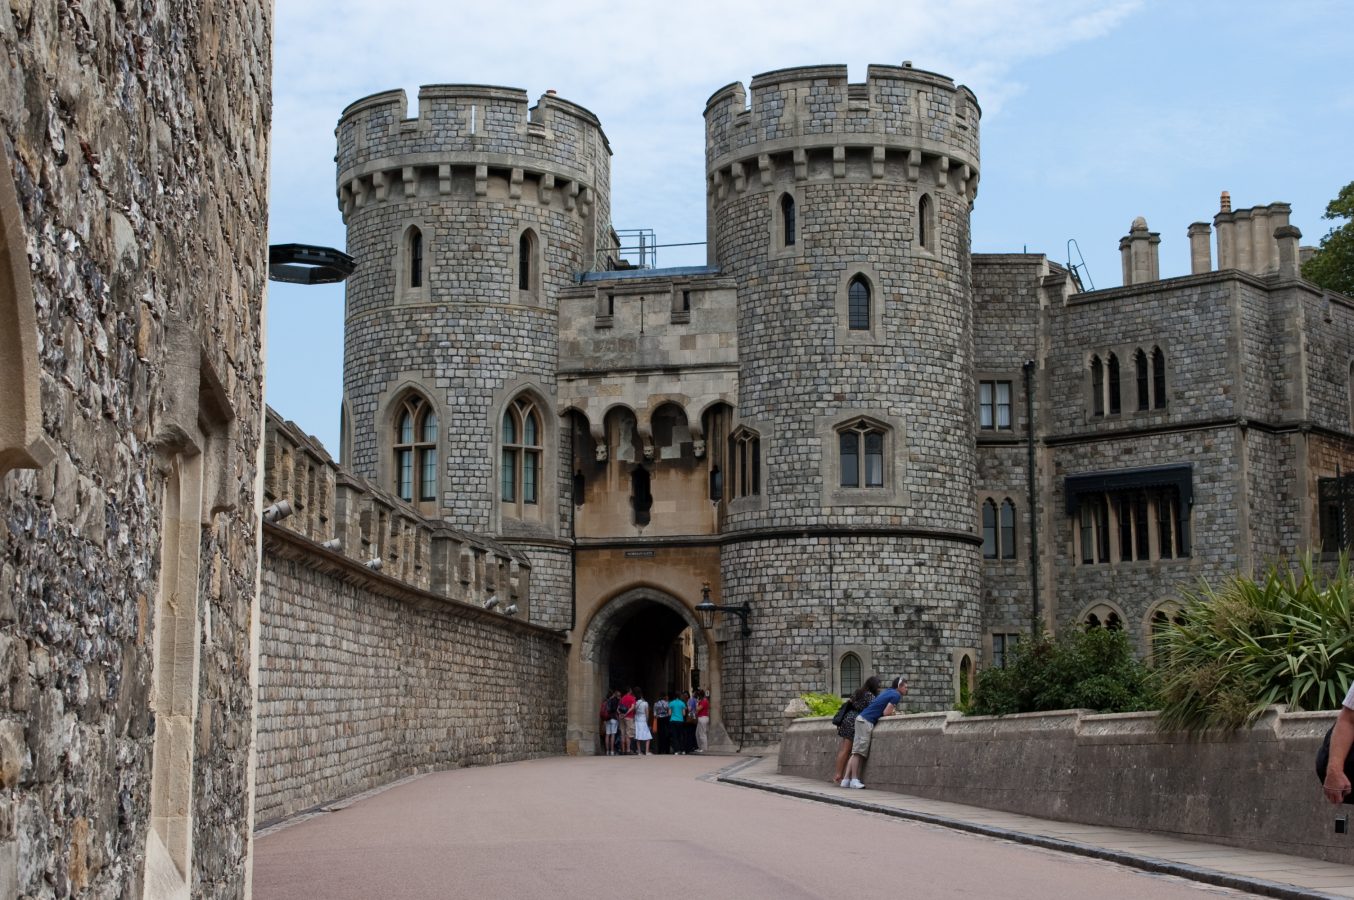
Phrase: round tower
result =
(842, 211)
(466, 221)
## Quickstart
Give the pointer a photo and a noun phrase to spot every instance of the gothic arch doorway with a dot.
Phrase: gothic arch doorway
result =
(645, 638)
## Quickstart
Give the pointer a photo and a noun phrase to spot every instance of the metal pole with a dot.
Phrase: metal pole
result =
(1035, 628)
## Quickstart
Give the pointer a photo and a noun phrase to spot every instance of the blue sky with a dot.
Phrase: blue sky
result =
(1093, 113)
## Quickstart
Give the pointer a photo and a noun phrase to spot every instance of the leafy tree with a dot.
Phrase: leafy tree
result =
(1080, 669)
(1333, 265)
(1286, 638)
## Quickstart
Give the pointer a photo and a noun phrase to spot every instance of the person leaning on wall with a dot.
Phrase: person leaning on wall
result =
(1336, 784)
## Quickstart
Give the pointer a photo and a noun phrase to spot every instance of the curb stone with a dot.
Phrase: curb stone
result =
(1146, 863)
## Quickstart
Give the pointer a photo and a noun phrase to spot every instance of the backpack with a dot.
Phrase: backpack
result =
(839, 719)
(605, 712)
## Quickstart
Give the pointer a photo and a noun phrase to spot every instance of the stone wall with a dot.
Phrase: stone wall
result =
(1256, 788)
(369, 674)
(135, 139)
(363, 680)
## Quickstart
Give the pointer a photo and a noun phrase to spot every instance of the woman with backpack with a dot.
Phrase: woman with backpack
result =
(846, 727)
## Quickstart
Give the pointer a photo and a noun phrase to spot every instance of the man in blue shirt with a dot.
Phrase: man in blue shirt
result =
(883, 705)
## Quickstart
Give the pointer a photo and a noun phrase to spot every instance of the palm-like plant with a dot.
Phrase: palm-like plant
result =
(1287, 638)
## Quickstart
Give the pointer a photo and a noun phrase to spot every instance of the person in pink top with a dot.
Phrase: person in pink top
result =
(627, 714)
(702, 721)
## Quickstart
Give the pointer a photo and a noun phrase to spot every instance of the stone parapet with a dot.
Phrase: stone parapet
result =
(1253, 788)
(368, 524)
(899, 114)
(469, 130)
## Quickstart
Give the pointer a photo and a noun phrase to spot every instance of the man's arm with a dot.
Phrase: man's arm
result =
(1337, 785)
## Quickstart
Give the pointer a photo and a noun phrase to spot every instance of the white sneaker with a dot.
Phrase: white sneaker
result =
(846, 782)
(855, 783)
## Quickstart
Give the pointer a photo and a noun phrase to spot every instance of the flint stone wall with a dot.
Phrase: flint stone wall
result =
(136, 136)
(1254, 788)
(363, 680)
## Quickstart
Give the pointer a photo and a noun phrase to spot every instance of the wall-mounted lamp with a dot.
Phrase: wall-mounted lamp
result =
(304, 264)
(375, 564)
(511, 610)
(708, 610)
(333, 544)
(491, 602)
(278, 511)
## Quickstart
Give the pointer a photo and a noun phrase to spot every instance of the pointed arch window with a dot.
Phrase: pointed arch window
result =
(746, 451)
(989, 529)
(925, 223)
(1097, 387)
(858, 304)
(415, 258)
(787, 220)
(1144, 394)
(1158, 378)
(999, 529)
(861, 455)
(1112, 371)
(852, 674)
(416, 450)
(520, 466)
(527, 268)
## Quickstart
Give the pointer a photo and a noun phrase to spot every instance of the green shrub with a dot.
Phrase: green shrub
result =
(1288, 638)
(821, 704)
(1093, 669)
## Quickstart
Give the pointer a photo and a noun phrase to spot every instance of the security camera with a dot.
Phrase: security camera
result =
(278, 511)
(511, 610)
(491, 602)
(375, 564)
(333, 544)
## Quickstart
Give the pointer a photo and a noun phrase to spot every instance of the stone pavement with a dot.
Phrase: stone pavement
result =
(1266, 874)
(566, 827)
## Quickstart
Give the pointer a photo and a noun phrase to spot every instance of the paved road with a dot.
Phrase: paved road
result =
(600, 827)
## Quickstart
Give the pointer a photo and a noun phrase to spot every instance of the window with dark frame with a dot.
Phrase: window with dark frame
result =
(1112, 373)
(1002, 645)
(416, 450)
(520, 463)
(787, 217)
(747, 462)
(526, 261)
(851, 674)
(861, 455)
(994, 405)
(1158, 378)
(1140, 365)
(858, 304)
(1097, 387)
(415, 258)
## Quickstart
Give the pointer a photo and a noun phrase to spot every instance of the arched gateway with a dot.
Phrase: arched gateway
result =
(643, 637)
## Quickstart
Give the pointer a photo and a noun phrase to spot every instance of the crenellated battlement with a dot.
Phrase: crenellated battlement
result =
(899, 115)
(366, 523)
(475, 132)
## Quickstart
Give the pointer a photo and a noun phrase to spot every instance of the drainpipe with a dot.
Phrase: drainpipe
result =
(1035, 629)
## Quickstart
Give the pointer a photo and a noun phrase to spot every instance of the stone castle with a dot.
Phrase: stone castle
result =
(900, 454)
(547, 455)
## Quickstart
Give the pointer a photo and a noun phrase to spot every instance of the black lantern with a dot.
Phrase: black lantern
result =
(708, 610)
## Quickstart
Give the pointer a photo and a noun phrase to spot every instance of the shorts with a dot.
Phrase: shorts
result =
(630, 727)
(610, 726)
(860, 746)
